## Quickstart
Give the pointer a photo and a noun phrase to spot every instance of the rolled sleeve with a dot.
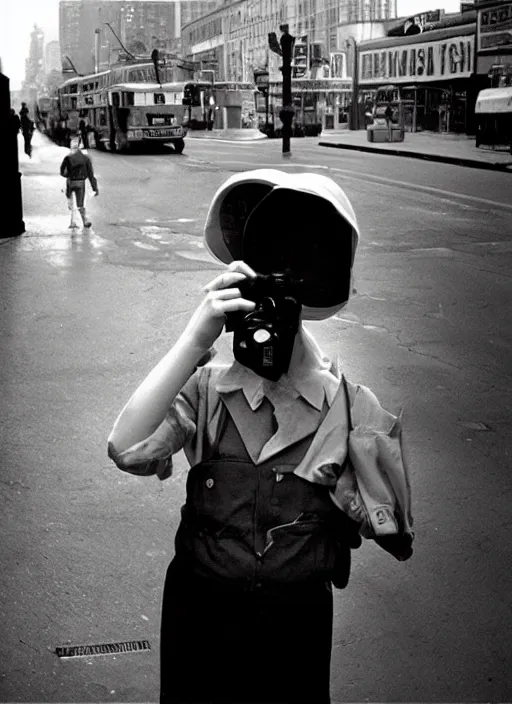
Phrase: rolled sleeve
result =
(154, 454)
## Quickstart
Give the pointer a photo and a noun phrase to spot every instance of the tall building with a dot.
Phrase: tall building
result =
(231, 43)
(34, 66)
(52, 60)
(138, 25)
(235, 35)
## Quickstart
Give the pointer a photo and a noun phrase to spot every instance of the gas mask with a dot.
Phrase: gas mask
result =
(299, 233)
(263, 339)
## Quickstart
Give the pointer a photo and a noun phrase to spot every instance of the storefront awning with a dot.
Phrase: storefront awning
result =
(494, 100)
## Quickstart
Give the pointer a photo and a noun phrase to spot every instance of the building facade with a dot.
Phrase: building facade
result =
(433, 73)
(52, 60)
(34, 67)
(232, 43)
(138, 25)
(494, 43)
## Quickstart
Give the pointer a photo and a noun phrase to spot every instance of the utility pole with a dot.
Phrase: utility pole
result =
(354, 107)
(285, 48)
(96, 50)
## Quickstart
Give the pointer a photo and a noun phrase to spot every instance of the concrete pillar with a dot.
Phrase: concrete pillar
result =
(11, 205)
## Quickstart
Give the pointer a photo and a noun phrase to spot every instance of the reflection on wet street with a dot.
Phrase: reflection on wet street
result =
(74, 249)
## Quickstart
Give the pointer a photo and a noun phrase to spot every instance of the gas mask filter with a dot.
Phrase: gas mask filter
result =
(263, 339)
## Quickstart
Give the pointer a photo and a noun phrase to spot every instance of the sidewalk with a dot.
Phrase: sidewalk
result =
(431, 146)
(44, 204)
(230, 135)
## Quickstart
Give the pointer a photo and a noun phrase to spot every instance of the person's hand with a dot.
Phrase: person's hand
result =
(222, 296)
(96, 193)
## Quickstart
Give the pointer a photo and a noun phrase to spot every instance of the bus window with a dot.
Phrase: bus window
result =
(115, 100)
(159, 98)
(128, 98)
(102, 117)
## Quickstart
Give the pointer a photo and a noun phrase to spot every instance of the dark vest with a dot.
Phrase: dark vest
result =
(260, 525)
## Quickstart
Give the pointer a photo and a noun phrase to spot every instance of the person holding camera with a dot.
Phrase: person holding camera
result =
(266, 530)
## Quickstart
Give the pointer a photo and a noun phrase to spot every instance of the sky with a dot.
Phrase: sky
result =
(19, 17)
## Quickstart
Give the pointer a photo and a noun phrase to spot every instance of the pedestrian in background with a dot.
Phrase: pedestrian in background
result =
(83, 129)
(388, 114)
(27, 129)
(266, 529)
(76, 168)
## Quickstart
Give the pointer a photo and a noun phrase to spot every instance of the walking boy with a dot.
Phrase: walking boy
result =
(76, 168)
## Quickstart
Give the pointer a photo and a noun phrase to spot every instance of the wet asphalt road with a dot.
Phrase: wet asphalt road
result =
(84, 317)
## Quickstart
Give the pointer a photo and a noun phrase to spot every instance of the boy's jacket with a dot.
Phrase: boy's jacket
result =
(357, 452)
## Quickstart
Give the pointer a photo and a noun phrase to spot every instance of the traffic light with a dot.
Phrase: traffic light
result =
(300, 57)
(273, 43)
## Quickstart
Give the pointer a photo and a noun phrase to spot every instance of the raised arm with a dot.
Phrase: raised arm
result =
(148, 406)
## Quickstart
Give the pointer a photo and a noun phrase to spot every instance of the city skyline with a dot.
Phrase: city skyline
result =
(21, 17)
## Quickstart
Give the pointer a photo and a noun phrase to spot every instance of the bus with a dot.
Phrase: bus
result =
(125, 114)
(124, 106)
(43, 112)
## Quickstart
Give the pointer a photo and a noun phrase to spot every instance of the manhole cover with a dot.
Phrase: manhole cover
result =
(84, 651)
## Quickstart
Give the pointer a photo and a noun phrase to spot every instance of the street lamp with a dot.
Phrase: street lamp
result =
(285, 48)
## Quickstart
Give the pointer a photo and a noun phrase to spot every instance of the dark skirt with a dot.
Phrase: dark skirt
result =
(223, 644)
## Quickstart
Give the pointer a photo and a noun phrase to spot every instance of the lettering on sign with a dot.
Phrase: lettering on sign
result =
(451, 58)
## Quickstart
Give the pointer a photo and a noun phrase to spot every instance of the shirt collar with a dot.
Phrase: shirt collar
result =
(313, 385)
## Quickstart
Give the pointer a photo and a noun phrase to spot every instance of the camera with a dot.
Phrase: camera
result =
(263, 339)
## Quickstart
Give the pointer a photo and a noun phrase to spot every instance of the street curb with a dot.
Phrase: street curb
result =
(458, 161)
(4, 240)
(226, 141)
(228, 135)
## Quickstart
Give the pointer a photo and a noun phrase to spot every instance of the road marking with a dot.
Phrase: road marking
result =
(155, 220)
(359, 176)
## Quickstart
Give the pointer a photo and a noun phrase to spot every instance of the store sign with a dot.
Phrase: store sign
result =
(429, 61)
(495, 28)
(322, 86)
(417, 24)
